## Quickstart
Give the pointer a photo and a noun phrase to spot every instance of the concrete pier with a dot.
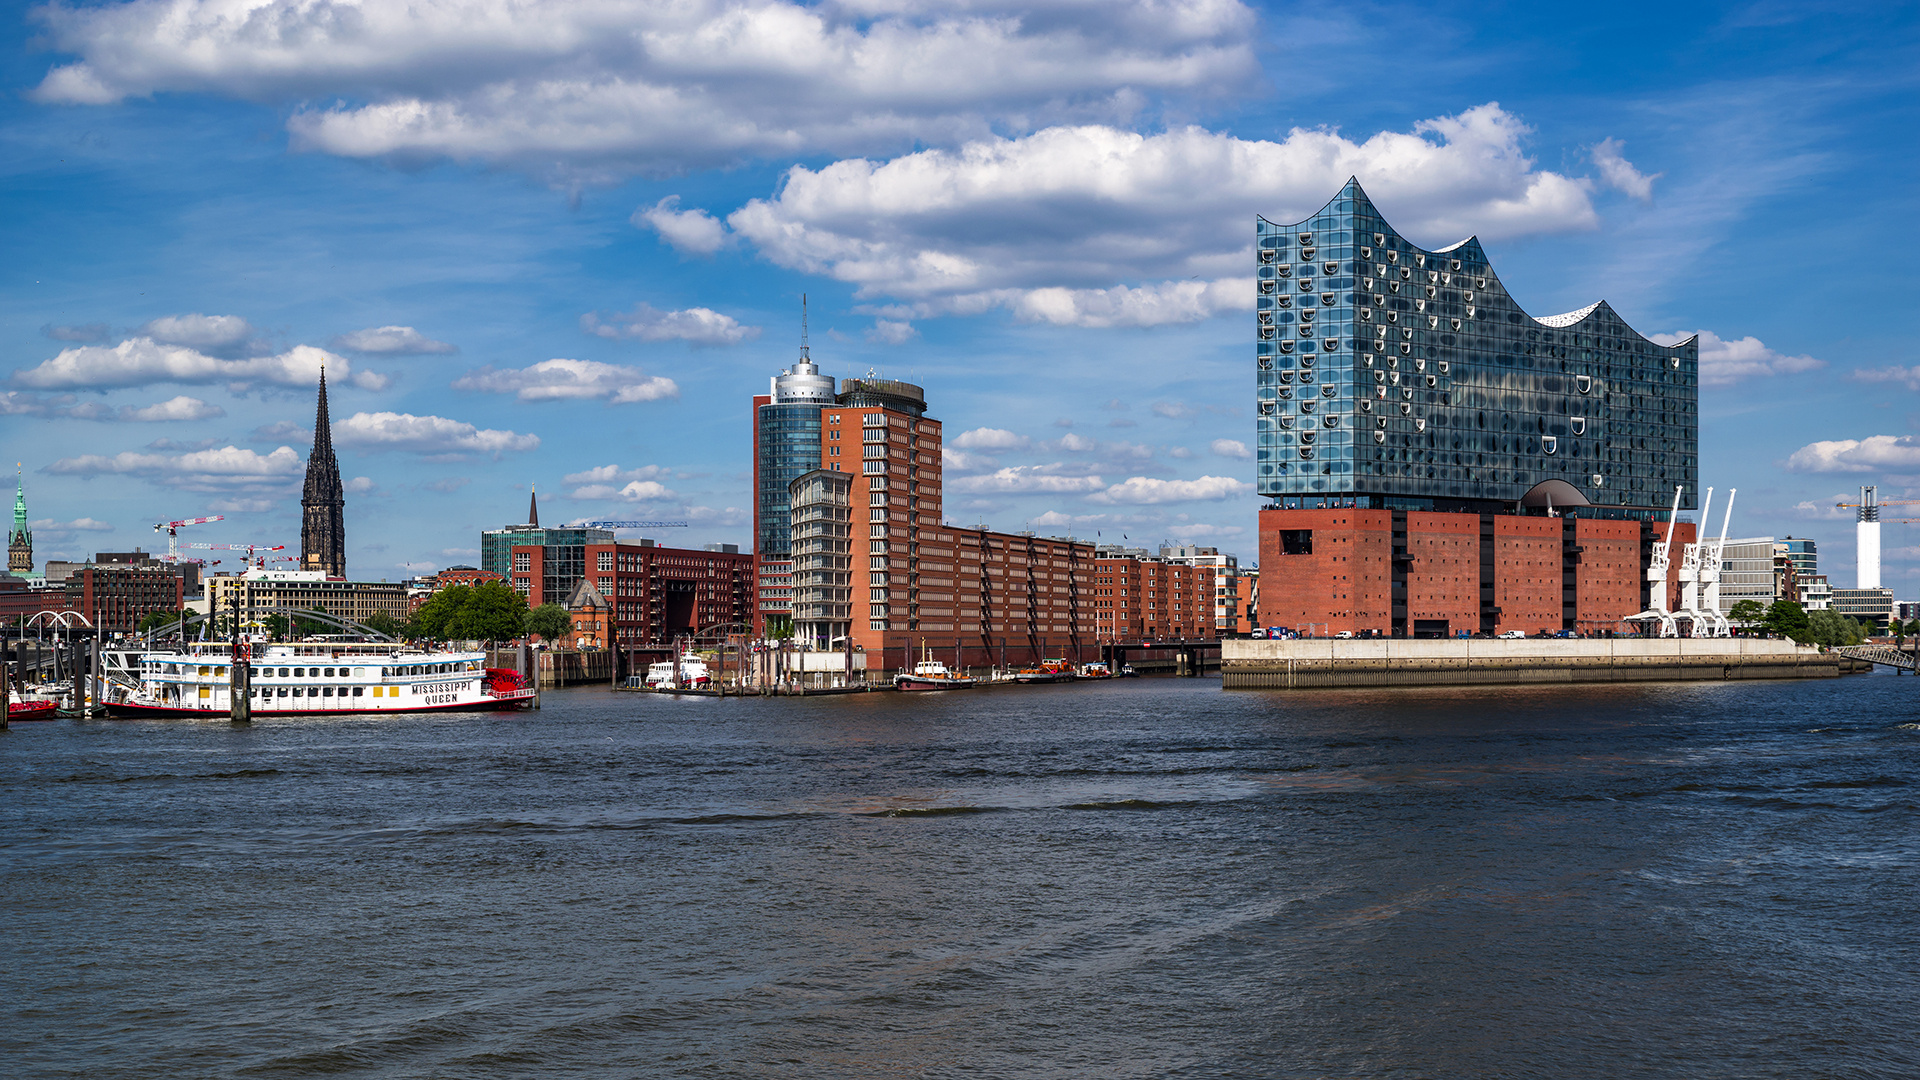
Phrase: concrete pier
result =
(1322, 663)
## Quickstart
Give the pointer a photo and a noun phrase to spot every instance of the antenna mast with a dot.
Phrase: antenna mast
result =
(805, 357)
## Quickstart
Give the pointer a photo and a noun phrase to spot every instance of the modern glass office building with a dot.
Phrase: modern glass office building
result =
(1392, 376)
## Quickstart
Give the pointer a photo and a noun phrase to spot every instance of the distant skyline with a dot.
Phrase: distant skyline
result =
(564, 245)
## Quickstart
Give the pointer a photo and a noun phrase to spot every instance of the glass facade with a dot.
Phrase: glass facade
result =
(1392, 376)
(564, 564)
(789, 446)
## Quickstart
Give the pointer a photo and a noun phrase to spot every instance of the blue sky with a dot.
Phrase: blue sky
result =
(563, 244)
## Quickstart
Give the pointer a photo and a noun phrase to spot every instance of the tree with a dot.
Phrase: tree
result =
(550, 621)
(275, 626)
(779, 627)
(1788, 619)
(382, 623)
(489, 611)
(1747, 612)
(159, 620)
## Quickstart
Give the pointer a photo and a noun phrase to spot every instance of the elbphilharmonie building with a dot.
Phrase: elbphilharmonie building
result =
(1393, 376)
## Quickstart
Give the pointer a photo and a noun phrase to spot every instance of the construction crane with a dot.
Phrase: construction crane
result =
(172, 529)
(250, 549)
(634, 525)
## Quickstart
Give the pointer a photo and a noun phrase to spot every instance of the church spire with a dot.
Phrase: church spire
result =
(533, 506)
(323, 529)
(19, 540)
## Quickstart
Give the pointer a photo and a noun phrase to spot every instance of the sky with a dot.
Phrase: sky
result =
(562, 245)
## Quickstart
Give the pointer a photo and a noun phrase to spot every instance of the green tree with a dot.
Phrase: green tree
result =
(1747, 612)
(550, 621)
(159, 620)
(779, 627)
(382, 623)
(275, 626)
(1788, 619)
(308, 627)
(438, 612)
(493, 612)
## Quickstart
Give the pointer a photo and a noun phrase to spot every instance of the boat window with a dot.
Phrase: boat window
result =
(299, 673)
(329, 673)
(357, 691)
(299, 691)
(283, 673)
(327, 691)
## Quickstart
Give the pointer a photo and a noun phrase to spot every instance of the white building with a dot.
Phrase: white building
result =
(1226, 579)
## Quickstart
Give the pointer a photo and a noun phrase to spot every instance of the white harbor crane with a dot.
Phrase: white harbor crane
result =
(172, 529)
(1657, 579)
(1706, 554)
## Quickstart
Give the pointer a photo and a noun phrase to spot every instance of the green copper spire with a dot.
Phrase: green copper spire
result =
(19, 502)
(19, 540)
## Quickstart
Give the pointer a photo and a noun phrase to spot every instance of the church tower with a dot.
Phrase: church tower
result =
(19, 540)
(323, 529)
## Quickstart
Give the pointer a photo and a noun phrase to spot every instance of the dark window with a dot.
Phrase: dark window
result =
(1296, 541)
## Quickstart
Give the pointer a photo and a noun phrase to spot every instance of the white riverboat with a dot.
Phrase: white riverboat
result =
(316, 679)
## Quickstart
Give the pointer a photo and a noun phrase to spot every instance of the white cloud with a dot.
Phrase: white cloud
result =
(142, 360)
(204, 470)
(1075, 443)
(569, 380)
(1145, 490)
(699, 326)
(218, 334)
(610, 474)
(435, 435)
(1908, 377)
(708, 515)
(891, 332)
(1875, 453)
(391, 341)
(1619, 174)
(448, 485)
(1173, 410)
(960, 461)
(694, 231)
(178, 408)
(85, 524)
(91, 332)
(1723, 362)
(989, 439)
(598, 89)
(1231, 448)
(1181, 453)
(282, 431)
(1027, 479)
(1045, 224)
(359, 485)
(1829, 510)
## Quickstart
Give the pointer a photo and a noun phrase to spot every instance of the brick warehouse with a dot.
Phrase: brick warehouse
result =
(1440, 462)
(1424, 574)
(654, 593)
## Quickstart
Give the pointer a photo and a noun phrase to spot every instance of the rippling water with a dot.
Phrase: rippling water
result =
(1145, 878)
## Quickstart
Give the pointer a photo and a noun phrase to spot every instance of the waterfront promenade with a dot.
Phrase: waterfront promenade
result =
(1329, 662)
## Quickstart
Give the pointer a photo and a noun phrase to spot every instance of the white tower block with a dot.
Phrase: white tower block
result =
(1867, 540)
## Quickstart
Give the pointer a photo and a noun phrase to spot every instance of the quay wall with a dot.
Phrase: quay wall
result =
(1324, 663)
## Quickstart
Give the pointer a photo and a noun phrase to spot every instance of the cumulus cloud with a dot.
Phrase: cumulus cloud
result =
(204, 470)
(1724, 362)
(891, 332)
(988, 439)
(1027, 479)
(217, 334)
(1231, 448)
(699, 326)
(1619, 174)
(1097, 226)
(1875, 453)
(142, 360)
(1908, 377)
(613, 482)
(434, 435)
(391, 341)
(602, 89)
(281, 431)
(85, 524)
(571, 380)
(359, 485)
(177, 408)
(1146, 490)
(15, 403)
(1073, 443)
(1173, 410)
(693, 231)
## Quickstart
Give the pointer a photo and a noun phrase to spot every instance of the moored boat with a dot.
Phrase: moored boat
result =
(30, 708)
(1095, 670)
(931, 674)
(1047, 671)
(693, 675)
(316, 679)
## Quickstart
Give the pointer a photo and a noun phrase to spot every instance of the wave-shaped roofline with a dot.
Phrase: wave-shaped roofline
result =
(1564, 321)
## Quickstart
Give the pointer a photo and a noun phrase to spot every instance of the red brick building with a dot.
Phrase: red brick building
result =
(655, 593)
(1145, 599)
(1434, 574)
(116, 598)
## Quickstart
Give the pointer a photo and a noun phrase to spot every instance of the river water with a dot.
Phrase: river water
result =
(1147, 878)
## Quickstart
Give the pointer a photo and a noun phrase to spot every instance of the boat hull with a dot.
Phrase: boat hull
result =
(126, 710)
(909, 682)
(32, 710)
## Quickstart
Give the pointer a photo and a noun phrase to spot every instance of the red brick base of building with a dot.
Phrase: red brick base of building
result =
(1410, 573)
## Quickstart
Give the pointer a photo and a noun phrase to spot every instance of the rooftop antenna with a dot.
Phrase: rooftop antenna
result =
(805, 358)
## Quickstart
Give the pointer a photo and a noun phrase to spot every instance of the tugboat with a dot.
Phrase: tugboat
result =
(1095, 670)
(317, 679)
(931, 674)
(1047, 671)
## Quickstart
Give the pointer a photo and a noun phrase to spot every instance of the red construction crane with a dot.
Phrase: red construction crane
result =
(172, 529)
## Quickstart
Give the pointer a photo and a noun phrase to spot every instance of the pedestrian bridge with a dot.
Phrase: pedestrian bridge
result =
(1899, 659)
